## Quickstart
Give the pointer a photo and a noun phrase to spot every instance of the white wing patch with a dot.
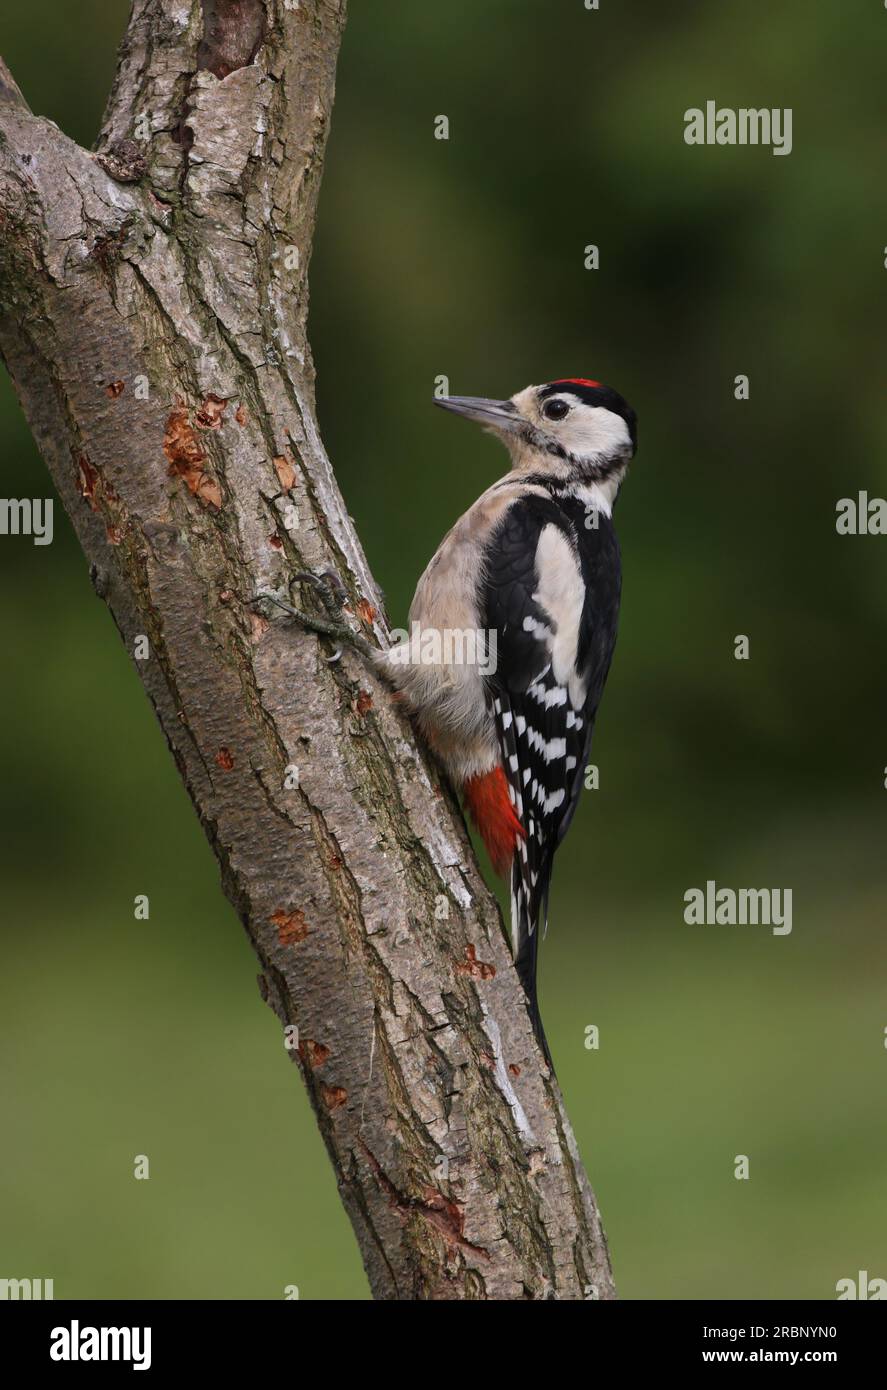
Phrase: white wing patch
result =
(561, 595)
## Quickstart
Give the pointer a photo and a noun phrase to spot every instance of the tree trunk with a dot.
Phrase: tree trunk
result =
(154, 299)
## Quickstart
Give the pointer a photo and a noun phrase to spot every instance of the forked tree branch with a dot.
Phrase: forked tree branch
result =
(154, 299)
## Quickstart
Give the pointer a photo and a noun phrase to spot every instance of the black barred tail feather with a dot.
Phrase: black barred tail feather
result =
(529, 911)
(542, 742)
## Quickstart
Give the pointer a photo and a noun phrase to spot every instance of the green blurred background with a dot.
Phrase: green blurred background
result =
(466, 258)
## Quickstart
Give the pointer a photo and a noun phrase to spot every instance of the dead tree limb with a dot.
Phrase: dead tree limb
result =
(154, 299)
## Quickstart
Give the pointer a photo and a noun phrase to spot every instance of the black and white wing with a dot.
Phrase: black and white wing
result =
(551, 594)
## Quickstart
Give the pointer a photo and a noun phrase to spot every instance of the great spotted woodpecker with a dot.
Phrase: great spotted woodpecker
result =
(534, 567)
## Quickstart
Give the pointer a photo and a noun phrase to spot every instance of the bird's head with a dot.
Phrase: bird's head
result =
(573, 428)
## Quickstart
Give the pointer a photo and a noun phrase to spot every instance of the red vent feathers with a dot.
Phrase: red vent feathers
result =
(496, 819)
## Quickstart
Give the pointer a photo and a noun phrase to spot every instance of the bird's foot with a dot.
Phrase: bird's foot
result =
(332, 594)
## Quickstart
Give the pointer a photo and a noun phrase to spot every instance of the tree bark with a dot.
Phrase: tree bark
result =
(154, 300)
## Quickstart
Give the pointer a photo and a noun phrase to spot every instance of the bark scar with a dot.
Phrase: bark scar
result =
(444, 1215)
(233, 33)
(186, 456)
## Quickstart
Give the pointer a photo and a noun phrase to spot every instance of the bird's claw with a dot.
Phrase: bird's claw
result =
(330, 587)
(333, 595)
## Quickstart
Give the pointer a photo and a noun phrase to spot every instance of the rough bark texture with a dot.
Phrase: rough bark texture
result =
(154, 300)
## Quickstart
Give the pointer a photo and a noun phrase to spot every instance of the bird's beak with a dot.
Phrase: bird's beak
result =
(497, 415)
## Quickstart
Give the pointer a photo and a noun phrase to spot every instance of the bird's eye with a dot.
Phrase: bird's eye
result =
(555, 410)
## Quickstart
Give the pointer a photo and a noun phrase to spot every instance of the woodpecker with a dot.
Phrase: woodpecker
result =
(534, 566)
